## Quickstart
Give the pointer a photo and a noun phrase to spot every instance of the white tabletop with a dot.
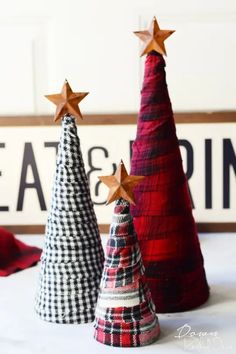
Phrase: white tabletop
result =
(214, 324)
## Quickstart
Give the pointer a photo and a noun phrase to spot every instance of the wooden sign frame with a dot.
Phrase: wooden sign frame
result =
(118, 119)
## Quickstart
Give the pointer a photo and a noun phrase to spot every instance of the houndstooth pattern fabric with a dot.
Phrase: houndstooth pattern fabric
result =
(72, 258)
(125, 313)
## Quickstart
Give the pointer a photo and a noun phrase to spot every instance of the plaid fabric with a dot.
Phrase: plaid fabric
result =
(125, 313)
(15, 255)
(127, 334)
(72, 259)
(124, 257)
(163, 213)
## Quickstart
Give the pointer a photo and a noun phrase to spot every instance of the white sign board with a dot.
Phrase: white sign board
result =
(27, 165)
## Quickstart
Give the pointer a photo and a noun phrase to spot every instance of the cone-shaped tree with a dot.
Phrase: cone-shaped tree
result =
(163, 215)
(72, 258)
(125, 313)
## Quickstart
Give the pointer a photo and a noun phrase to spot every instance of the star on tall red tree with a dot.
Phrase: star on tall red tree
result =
(154, 38)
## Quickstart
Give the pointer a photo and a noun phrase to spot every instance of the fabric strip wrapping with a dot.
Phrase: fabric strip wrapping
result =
(125, 313)
(163, 213)
(72, 258)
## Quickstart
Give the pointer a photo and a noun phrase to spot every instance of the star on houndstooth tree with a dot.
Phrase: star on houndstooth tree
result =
(67, 101)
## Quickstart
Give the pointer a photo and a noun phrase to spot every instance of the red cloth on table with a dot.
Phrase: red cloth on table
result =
(163, 213)
(15, 255)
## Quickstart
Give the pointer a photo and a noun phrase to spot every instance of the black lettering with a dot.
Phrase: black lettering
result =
(189, 163)
(229, 160)
(52, 144)
(93, 169)
(29, 161)
(208, 174)
(3, 208)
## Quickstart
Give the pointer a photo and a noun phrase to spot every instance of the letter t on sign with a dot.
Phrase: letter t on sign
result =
(29, 161)
(3, 208)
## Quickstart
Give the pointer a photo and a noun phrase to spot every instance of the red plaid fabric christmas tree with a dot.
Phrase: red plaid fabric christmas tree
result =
(163, 213)
(125, 313)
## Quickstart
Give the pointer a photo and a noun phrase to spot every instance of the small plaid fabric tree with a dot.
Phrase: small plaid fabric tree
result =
(125, 313)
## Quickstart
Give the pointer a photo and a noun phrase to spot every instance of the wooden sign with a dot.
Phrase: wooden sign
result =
(28, 147)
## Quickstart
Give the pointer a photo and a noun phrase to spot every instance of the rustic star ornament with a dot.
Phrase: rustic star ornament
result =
(67, 101)
(153, 38)
(121, 184)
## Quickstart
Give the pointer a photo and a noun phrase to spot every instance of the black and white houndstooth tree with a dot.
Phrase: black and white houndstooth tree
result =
(72, 258)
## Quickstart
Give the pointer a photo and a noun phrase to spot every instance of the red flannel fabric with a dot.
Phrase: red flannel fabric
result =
(15, 255)
(163, 213)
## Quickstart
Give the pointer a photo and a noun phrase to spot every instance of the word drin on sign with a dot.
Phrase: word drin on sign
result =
(28, 156)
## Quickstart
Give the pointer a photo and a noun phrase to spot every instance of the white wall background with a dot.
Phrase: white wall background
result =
(90, 43)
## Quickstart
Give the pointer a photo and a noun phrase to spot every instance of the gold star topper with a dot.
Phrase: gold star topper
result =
(67, 101)
(153, 38)
(121, 184)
